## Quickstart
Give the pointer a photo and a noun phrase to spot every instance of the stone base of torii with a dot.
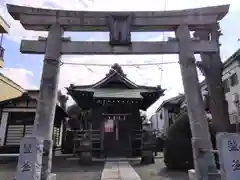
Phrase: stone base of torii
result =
(120, 25)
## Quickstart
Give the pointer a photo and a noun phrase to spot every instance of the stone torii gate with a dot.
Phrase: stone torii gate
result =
(120, 25)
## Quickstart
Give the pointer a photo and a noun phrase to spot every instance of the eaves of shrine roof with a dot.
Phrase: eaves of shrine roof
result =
(114, 93)
(116, 74)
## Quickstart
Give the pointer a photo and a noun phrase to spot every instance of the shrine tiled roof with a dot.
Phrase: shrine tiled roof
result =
(114, 86)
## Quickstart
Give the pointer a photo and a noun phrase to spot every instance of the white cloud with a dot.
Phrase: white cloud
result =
(17, 32)
(171, 77)
(21, 76)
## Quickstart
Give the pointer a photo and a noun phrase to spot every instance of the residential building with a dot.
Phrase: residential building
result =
(4, 27)
(165, 115)
(17, 120)
(230, 77)
(231, 74)
(8, 88)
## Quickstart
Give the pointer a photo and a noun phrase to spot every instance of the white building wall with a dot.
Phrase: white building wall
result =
(166, 120)
(160, 121)
(227, 73)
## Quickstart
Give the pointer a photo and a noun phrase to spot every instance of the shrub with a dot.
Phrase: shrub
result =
(178, 150)
(178, 147)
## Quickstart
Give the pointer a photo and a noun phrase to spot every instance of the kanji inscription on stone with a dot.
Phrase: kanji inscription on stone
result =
(30, 159)
(26, 166)
(229, 153)
(27, 148)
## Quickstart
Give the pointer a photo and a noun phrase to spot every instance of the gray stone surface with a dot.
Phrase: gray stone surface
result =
(93, 21)
(71, 170)
(197, 119)
(64, 170)
(90, 48)
(119, 170)
(212, 176)
(228, 145)
(46, 162)
(52, 176)
(30, 159)
(157, 171)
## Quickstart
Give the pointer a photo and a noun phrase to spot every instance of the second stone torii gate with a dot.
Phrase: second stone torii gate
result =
(120, 25)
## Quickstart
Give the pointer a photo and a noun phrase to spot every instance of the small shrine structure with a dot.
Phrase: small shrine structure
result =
(115, 120)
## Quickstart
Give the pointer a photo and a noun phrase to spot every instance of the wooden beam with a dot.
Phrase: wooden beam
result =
(41, 19)
(103, 48)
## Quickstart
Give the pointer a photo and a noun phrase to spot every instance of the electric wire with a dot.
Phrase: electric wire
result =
(133, 65)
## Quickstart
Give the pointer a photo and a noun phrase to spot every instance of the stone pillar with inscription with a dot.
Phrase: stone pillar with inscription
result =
(30, 159)
(228, 145)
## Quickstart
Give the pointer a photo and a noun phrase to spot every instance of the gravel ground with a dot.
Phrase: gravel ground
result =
(157, 171)
(65, 170)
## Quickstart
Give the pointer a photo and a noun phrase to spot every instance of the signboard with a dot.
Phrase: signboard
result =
(109, 125)
(229, 153)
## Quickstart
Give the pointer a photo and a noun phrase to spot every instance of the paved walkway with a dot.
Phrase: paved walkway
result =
(119, 170)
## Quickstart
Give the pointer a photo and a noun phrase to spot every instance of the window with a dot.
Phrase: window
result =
(226, 85)
(21, 118)
(234, 79)
(161, 116)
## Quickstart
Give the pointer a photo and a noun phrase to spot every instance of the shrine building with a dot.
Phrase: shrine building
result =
(115, 120)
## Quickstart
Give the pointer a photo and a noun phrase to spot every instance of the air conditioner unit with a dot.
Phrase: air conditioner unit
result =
(236, 98)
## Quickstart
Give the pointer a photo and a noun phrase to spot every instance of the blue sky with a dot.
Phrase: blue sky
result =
(26, 69)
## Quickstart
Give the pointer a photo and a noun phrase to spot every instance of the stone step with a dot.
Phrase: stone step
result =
(119, 170)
